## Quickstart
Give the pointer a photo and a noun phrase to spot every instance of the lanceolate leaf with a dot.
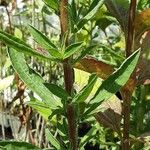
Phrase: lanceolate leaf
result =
(32, 79)
(42, 108)
(44, 42)
(52, 4)
(70, 50)
(90, 14)
(85, 92)
(112, 52)
(115, 81)
(84, 52)
(21, 46)
(56, 90)
(53, 140)
(41, 38)
(14, 145)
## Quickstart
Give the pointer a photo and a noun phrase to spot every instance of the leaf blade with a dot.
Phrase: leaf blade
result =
(33, 80)
(114, 82)
(85, 92)
(21, 46)
(44, 42)
(71, 49)
(89, 15)
(53, 140)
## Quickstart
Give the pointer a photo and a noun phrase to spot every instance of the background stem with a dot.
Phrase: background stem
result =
(128, 90)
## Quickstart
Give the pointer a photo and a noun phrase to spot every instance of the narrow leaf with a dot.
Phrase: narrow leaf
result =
(90, 14)
(53, 140)
(21, 46)
(84, 52)
(41, 38)
(70, 50)
(112, 52)
(85, 92)
(14, 145)
(32, 79)
(52, 4)
(42, 108)
(44, 42)
(58, 91)
(115, 81)
(91, 133)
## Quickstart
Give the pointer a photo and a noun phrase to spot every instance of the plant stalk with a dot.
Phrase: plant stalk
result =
(68, 77)
(131, 28)
(130, 86)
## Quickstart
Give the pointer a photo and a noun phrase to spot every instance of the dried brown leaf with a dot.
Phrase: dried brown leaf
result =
(92, 65)
(110, 114)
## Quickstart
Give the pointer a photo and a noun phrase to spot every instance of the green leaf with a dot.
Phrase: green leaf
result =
(91, 133)
(90, 14)
(52, 4)
(41, 108)
(115, 81)
(32, 79)
(6, 82)
(45, 42)
(112, 52)
(14, 145)
(84, 52)
(71, 49)
(53, 140)
(58, 91)
(73, 16)
(20, 45)
(85, 92)
(41, 38)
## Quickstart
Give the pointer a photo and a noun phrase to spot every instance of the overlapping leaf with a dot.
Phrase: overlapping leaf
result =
(85, 92)
(52, 4)
(53, 140)
(91, 65)
(71, 49)
(32, 79)
(110, 113)
(21, 46)
(45, 42)
(114, 82)
(142, 36)
(93, 9)
(42, 108)
(14, 145)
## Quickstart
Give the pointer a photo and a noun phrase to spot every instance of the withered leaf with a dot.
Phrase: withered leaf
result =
(110, 114)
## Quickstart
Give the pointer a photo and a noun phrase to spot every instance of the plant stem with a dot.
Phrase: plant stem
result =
(68, 77)
(131, 28)
(128, 89)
